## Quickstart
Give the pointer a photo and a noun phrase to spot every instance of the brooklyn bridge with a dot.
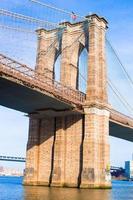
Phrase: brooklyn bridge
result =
(69, 128)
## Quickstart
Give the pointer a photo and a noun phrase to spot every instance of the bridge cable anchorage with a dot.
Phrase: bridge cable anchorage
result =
(120, 97)
(121, 64)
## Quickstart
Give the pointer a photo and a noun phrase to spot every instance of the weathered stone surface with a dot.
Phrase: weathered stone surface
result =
(73, 150)
(31, 169)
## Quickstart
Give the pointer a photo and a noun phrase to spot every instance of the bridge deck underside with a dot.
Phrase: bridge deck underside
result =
(121, 131)
(27, 100)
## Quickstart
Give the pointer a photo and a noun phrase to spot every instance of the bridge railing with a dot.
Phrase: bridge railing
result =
(41, 81)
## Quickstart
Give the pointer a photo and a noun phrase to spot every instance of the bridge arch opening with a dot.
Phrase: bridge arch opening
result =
(82, 72)
(57, 69)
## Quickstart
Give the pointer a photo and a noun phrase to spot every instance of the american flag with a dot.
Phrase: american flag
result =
(73, 16)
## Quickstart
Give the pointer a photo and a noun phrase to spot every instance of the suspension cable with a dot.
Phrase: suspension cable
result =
(83, 77)
(31, 19)
(76, 40)
(55, 8)
(24, 17)
(16, 29)
(121, 64)
(120, 96)
(117, 93)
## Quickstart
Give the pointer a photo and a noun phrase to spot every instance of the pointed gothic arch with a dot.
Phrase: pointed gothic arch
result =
(57, 67)
(82, 71)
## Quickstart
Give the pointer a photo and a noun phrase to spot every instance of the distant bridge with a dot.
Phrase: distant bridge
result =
(12, 158)
(22, 159)
(114, 168)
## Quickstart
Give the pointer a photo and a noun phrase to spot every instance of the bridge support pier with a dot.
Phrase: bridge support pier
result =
(73, 150)
(54, 151)
(69, 151)
(31, 170)
(96, 170)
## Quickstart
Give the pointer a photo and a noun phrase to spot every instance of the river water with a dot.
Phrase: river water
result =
(11, 188)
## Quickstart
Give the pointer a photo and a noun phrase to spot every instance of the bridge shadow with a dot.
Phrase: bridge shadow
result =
(50, 129)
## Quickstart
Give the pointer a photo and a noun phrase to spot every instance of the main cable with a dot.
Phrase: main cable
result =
(55, 8)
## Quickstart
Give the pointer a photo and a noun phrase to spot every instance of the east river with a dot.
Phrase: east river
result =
(11, 188)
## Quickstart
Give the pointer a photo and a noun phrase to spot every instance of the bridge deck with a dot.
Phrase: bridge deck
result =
(25, 90)
(22, 89)
(121, 126)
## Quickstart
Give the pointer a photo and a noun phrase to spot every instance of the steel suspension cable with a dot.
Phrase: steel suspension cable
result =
(120, 96)
(117, 93)
(55, 8)
(121, 64)
(25, 18)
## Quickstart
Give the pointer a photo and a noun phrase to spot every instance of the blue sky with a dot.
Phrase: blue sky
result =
(119, 14)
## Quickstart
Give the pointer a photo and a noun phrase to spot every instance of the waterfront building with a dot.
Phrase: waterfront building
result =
(129, 169)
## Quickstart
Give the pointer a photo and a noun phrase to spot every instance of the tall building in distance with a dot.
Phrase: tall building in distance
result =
(129, 169)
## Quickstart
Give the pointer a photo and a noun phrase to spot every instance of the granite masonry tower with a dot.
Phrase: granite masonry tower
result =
(67, 148)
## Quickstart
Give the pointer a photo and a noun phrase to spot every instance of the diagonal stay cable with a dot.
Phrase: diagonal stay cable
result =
(121, 64)
(120, 96)
(74, 42)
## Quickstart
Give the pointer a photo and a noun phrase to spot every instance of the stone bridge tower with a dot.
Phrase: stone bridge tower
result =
(68, 148)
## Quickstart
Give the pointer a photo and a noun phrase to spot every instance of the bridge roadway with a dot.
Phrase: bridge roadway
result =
(22, 89)
(22, 84)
